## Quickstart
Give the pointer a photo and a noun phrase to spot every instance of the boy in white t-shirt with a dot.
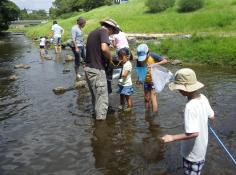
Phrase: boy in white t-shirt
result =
(58, 31)
(197, 112)
(125, 82)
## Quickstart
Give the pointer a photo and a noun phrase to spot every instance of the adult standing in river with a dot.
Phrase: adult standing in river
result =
(58, 31)
(97, 56)
(78, 43)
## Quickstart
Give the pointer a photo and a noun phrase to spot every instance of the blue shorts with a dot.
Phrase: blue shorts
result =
(125, 90)
(192, 168)
(148, 86)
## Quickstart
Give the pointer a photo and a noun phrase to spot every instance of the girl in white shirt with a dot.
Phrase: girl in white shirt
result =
(42, 46)
(125, 82)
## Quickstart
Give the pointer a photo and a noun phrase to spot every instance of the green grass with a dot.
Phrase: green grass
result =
(215, 18)
(207, 50)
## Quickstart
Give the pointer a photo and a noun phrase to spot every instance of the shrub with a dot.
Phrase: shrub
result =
(159, 5)
(189, 5)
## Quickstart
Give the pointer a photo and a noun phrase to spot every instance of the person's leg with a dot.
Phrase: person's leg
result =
(122, 100)
(147, 100)
(101, 95)
(59, 45)
(77, 63)
(154, 100)
(55, 39)
(129, 101)
(90, 77)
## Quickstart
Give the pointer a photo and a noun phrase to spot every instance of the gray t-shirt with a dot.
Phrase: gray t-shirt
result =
(77, 35)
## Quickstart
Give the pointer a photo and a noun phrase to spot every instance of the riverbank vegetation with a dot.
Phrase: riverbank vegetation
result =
(212, 27)
(8, 12)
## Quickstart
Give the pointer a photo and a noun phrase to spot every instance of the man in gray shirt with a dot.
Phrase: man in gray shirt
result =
(78, 44)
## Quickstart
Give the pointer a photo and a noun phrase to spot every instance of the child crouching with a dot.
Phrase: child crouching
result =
(125, 82)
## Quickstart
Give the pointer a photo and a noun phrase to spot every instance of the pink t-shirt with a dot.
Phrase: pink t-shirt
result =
(120, 41)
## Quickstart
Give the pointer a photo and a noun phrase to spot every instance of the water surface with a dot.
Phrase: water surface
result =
(47, 134)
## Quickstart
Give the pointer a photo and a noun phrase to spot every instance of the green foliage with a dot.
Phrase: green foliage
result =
(189, 5)
(36, 14)
(159, 5)
(206, 50)
(8, 12)
(68, 6)
(91, 4)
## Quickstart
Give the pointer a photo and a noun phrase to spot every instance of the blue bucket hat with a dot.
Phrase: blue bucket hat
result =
(142, 51)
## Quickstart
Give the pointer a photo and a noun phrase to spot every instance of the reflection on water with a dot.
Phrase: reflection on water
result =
(44, 133)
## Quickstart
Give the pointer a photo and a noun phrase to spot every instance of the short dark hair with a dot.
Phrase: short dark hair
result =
(54, 22)
(81, 20)
(123, 52)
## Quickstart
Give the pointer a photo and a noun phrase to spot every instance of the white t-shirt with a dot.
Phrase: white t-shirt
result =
(197, 112)
(57, 30)
(126, 81)
(120, 40)
(42, 41)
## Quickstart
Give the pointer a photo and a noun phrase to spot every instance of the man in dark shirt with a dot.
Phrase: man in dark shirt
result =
(97, 56)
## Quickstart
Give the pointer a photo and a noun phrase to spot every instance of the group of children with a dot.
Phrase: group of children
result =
(197, 110)
(144, 59)
(44, 43)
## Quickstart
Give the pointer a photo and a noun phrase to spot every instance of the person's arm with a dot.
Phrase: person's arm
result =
(125, 73)
(184, 136)
(159, 59)
(73, 37)
(106, 51)
(163, 61)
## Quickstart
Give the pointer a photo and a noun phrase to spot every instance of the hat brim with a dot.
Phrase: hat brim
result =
(187, 88)
(117, 28)
(142, 58)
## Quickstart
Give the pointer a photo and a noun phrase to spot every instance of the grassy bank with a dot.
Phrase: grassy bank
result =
(207, 50)
(217, 17)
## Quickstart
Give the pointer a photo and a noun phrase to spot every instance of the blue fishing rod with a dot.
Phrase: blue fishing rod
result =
(222, 144)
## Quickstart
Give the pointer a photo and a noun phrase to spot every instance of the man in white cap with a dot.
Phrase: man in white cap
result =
(197, 112)
(98, 55)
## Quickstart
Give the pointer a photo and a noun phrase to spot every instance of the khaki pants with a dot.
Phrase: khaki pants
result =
(97, 84)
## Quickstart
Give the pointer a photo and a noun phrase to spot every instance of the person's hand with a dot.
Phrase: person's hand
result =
(77, 49)
(138, 83)
(167, 138)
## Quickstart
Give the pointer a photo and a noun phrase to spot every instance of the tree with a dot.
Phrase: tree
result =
(9, 11)
(91, 4)
(61, 7)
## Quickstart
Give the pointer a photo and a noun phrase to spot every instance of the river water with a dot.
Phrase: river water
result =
(47, 134)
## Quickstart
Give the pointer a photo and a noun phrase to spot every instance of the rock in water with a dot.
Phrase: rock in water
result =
(176, 62)
(59, 90)
(22, 66)
(12, 78)
(66, 70)
(69, 58)
(80, 84)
